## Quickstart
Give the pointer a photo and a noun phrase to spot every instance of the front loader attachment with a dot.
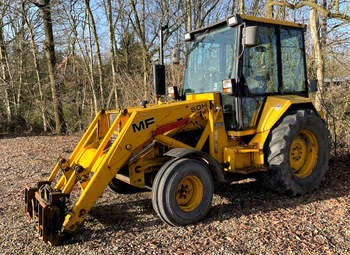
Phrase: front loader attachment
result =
(116, 145)
(47, 208)
(46, 202)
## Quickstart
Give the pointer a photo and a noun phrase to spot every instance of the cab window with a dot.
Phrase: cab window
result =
(293, 64)
(260, 72)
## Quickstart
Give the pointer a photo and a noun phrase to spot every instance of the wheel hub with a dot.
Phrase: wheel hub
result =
(303, 154)
(189, 193)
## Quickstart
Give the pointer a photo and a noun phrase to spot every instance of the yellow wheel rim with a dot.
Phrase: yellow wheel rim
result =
(189, 193)
(303, 153)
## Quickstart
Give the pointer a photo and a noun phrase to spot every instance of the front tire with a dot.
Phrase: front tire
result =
(298, 153)
(182, 192)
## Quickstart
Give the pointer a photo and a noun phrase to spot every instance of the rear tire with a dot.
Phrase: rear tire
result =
(297, 153)
(182, 191)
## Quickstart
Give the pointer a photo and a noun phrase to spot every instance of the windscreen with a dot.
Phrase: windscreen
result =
(211, 59)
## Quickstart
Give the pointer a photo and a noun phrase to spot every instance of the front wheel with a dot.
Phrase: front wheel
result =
(182, 192)
(298, 153)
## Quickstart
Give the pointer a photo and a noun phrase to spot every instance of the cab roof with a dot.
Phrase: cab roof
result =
(242, 18)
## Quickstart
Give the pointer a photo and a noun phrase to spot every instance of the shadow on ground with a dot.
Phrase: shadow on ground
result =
(240, 199)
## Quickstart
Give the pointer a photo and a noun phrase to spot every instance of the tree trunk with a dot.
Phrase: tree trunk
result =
(112, 52)
(38, 76)
(188, 16)
(49, 48)
(269, 9)
(256, 7)
(92, 72)
(144, 50)
(241, 6)
(144, 65)
(97, 46)
(22, 70)
(4, 74)
(140, 29)
(318, 54)
(324, 30)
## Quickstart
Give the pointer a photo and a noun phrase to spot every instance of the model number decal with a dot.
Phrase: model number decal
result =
(142, 125)
(198, 107)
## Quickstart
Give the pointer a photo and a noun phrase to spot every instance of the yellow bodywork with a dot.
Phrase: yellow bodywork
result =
(134, 139)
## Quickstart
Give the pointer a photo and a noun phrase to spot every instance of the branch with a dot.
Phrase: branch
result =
(336, 26)
(37, 4)
(325, 12)
(209, 11)
(137, 26)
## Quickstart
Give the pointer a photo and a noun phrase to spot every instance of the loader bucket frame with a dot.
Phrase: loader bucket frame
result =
(47, 208)
(45, 205)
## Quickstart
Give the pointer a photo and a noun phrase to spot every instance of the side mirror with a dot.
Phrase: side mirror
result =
(250, 36)
(159, 79)
(175, 56)
(312, 85)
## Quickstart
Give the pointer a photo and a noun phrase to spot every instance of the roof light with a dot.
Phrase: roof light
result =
(188, 36)
(232, 21)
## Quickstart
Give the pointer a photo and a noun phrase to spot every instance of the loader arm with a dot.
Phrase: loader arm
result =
(97, 159)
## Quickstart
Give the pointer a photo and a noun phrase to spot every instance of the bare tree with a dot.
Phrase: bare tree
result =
(197, 12)
(162, 16)
(49, 48)
(36, 65)
(85, 53)
(4, 70)
(139, 25)
(98, 52)
(112, 49)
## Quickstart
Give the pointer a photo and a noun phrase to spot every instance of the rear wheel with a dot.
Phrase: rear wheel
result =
(298, 153)
(182, 192)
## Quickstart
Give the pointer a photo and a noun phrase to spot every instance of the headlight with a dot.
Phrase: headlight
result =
(173, 92)
(227, 86)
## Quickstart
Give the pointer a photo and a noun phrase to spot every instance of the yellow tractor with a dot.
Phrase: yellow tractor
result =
(244, 109)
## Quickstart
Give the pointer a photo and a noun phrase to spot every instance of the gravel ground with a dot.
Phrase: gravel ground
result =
(245, 218)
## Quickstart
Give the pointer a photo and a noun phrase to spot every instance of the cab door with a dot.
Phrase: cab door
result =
(260, 74)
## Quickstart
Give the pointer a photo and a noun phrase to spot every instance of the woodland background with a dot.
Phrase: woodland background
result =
(61, 61)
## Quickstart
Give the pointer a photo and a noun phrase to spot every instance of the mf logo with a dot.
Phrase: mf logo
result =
(143, 124)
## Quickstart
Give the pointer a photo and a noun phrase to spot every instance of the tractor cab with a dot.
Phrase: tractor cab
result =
(246, 59)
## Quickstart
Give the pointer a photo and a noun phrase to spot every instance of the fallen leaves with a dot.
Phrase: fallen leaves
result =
(245, 218)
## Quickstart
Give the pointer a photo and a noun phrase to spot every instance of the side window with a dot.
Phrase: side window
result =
(293, 72)
(229, 111)
(251, 108)
(260, 63)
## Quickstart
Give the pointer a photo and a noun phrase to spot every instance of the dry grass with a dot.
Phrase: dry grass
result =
(245, 219)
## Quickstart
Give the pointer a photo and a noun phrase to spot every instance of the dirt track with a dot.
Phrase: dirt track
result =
(245, 218)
